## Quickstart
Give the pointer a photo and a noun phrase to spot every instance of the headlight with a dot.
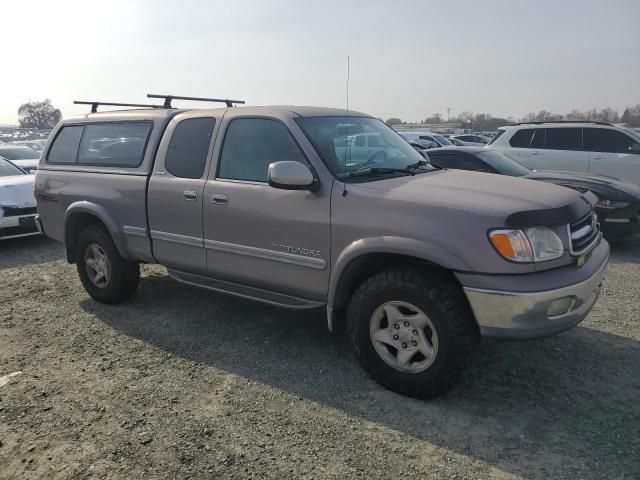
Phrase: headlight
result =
(536, 244)
(611, 204)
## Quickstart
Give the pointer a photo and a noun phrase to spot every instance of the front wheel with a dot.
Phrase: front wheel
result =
(105, 275)
(413, 331)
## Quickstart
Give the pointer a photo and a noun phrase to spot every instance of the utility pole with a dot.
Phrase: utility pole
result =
(448, 112)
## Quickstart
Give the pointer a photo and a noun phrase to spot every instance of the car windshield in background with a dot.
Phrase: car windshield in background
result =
(360, 144)
(633, 133)
(503, 164)
(8, 169)
(18, 153)
(442, 140)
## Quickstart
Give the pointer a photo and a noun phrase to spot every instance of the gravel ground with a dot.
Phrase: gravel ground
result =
(183, 383)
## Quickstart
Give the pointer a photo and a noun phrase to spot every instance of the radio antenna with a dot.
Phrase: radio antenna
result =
(346, 136)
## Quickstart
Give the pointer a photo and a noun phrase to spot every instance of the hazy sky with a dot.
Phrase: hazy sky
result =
(408, 58)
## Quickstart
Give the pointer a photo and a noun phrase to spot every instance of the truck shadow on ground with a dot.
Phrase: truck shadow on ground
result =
(568, 399)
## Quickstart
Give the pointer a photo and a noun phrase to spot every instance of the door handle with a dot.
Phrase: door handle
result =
(190, 195)
(219, 199)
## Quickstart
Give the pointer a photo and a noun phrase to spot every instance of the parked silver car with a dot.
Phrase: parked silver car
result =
(268, 203)
(17, 204)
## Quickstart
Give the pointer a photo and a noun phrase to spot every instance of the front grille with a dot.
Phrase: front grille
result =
(14, 212)
(584, 233)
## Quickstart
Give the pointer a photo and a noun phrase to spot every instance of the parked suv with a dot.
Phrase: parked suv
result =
(593, 147)
(265, 203)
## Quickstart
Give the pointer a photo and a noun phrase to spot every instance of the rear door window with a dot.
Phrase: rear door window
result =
(564, 139)
(65, 146)
(188, 148)
(606, 140)
(114, 144)
(539, 138)
(522, 138)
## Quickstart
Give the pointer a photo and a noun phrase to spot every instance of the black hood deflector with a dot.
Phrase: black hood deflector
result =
(548, 217)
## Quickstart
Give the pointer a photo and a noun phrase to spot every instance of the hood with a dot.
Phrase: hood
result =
(606, 188)
(512, 198)
(17, 191)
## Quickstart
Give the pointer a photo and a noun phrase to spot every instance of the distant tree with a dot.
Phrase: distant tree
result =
(577, 115)
(544, 116)
(435, 118)
(607, 115)
(393, 121)
(39, 115)
(631, 116)
(465, 117)
(486, 122)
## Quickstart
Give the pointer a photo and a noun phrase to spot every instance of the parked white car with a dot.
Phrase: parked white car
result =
(473, 139)
(436, 138)
(24, 157)
(17, 203)
(593, 147)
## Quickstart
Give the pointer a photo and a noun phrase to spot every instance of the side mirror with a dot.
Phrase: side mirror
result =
(291, 176)
(635, 148)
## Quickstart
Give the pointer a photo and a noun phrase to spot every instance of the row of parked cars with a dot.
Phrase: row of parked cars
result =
(308, 208)
(586, 156)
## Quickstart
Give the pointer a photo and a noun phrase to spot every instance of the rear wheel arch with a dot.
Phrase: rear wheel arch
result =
(79, 218)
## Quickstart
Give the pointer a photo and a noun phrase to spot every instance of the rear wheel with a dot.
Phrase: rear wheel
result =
(413, 332)
(105, 275)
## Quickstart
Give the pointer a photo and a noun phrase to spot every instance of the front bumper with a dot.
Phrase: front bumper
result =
(621, 223)
(522, 315)
(18, 226)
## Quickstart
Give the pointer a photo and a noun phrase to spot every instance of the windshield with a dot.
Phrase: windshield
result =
(357, 144)
(634, 134)
(19, 153)
(8, 169)
(442, 140)
(503, 164)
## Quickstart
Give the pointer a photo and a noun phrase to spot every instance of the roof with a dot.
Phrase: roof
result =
(160, 113)
(559, 124)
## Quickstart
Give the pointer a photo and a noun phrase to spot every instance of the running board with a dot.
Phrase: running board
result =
(251, 293)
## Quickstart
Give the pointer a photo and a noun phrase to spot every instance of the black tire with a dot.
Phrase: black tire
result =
(124, 275)
(442, 300)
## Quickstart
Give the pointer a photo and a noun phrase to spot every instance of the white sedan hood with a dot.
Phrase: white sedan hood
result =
(17, 191)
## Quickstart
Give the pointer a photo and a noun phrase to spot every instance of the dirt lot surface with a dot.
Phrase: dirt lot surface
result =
(184, 383)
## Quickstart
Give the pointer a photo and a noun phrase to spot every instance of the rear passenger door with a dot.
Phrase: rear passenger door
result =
(609, 154)
(558, 148)
(175, 195)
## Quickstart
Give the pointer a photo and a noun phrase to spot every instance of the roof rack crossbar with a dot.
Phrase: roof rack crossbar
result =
(95, 105)
(563, 121)
(169, 98)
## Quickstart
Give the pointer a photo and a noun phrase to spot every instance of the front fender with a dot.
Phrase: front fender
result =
(73, 213)
(418, 249)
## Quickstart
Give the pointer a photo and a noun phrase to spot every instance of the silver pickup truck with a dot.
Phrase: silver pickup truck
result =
(266, 203)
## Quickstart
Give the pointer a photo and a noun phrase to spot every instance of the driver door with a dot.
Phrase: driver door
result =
(257, 235)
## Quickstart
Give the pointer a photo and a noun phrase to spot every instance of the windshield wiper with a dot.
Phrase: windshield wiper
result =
(380, 171)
